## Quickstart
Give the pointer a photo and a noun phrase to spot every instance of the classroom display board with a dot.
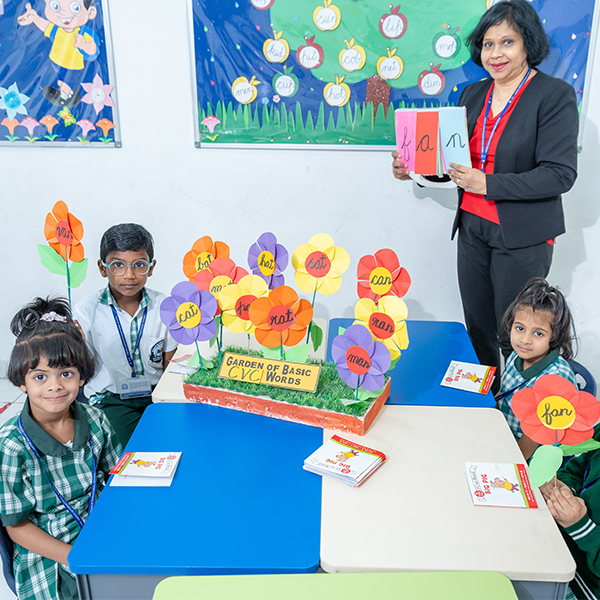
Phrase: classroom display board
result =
(56, 74)
(331, 72)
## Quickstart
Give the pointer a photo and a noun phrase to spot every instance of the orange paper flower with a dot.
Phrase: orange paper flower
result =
(554, 411)
(220, 273)
(64, 232)
(381, 275)
(203, 252)
(280, 318)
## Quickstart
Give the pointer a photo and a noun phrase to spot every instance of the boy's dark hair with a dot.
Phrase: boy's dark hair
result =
(40, 334)
(521, 16)
(88, 3)
(126, 237)
(539, 296)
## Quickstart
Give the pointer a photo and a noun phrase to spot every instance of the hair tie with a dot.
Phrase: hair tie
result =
(52, 316)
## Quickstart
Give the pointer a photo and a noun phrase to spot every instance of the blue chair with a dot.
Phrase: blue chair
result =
(581, 373)
(6, 552)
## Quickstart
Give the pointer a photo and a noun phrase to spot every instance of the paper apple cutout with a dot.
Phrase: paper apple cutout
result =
(393, 24)
(327, 17)
(262, 4)
(432, 82)
(447, 43)
(338, 93)
(391, 66)
(286, 84)
(244, 91)
(353, 57)
(276, 49)
(311, 55)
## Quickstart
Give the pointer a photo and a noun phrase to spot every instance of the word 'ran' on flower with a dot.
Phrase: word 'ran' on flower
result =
(319, 265)
(12, 101)
(203, 252)
(235, 301)
(381, 275)
(268, 259)
(98, 94)
(219, 274)
(189, 313)
(64, 232)
(386, 321)
(280, 318)
(360, 361)
(554, 411)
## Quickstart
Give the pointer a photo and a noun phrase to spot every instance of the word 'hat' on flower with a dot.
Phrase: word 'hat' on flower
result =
(203, 252)
(554, 411)
(268, 259)
(235, 301)
(220, 273)
(381, 275)
(64, 232)
(189, 313)
(319, 265)
(360, 361)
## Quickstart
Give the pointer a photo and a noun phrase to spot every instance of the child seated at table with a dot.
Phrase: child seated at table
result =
(122, 324)
(541, 332)
(55, 456)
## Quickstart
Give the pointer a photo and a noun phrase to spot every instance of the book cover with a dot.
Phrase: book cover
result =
(147, 464)
(469, 377)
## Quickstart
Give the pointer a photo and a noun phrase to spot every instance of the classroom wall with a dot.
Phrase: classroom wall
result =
(181, 193)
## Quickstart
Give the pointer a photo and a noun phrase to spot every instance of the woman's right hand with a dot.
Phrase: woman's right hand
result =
(399, 168)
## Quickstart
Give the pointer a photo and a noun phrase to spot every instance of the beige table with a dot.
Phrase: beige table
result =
(416, 513)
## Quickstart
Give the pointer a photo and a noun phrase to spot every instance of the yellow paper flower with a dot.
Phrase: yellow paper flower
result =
(235, 301)
(386, 321)
(319, 265)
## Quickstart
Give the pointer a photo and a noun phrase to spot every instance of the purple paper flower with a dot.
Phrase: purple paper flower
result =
(268, 260)
(360, 360)
(189, 313)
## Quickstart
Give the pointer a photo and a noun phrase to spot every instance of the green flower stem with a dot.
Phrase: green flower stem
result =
(313, 305)
(68, 278)
(200, 359)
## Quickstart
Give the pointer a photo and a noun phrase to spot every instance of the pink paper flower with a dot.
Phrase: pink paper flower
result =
(98, 94)
(86, 126)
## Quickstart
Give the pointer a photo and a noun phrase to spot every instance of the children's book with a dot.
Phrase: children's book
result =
(469, 377)
(347, 462)
(500, 484)
(145, 469)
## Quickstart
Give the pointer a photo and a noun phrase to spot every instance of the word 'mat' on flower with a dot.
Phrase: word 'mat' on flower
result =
(218, 275)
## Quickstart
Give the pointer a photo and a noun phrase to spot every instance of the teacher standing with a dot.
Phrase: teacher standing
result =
(523, 142)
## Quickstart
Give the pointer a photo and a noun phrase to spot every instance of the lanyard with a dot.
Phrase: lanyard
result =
(586, 486)
(128, 354)
(486, 148)
(509, 392)
(92, 501)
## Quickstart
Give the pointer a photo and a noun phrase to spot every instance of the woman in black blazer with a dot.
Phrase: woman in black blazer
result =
(509, 211)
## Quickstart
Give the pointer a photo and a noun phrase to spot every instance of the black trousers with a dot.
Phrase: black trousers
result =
(490, 277)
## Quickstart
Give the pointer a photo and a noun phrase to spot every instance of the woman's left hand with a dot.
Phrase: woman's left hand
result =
(470, 180)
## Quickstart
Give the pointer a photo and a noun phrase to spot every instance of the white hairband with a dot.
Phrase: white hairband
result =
(52, 316)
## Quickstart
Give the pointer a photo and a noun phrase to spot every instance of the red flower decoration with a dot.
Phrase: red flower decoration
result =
(554, 411)
(220, 273)
(63, 232)
(381, 275)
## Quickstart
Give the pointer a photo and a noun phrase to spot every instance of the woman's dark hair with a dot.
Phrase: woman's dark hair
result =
(126, 237)
(45, 328)
(521, 16)
(539, 296)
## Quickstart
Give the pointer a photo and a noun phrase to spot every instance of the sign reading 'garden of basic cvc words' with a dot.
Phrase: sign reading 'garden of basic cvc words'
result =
(278, 373)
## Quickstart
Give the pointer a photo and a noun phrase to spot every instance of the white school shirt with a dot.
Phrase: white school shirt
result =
(95, 316)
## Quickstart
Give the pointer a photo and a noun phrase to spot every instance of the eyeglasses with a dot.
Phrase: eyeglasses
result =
(139, 267)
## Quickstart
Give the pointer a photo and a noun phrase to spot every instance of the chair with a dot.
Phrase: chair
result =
(582, 374)
(6, 553)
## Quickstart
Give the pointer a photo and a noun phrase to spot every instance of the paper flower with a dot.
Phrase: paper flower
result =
(98, 94)
(189, 313)
(30, 124)
(235, 301)
(280, 318)
(386, 321)
(203, 252)
(49, 122)
(319, 265)
(62, 230)
(359, 359)
(211, 122)
(10, 124)
(12, 101)
(554, 411)
(268, 260)
(381, 275)
(220, 273)
(86, 126)
(105, 125)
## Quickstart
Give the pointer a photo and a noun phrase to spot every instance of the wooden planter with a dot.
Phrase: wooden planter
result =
(267, 407)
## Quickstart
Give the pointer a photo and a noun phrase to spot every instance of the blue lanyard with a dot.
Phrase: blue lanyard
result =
(128, 354)
(486, 148)
(586, 486)
(92, 501)
(509, 392)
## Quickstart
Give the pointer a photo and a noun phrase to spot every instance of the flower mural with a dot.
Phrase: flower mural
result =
(10, 124)
(98, 94)
(203, 252)
(63, 232)
(381, 275)
(268, 259)
(12, 101)
(218, 275)
(235, 301)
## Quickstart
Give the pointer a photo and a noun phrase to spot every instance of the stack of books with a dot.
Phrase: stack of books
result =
(145, 469)
(345, 461)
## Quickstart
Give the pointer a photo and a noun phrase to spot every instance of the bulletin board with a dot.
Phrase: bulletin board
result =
(323, 73)
(57, 84)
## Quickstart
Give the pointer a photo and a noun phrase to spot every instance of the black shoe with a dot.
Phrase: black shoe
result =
(52, 95)
(71, 100)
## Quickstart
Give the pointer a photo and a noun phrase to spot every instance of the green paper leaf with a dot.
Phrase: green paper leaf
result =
(580, 448)
(52, 260)
(316, 335)
(298, 354)
(215, 337)
(272, 352)
(77, 273)
(544, 463)
(348, 402)
(194, 362)
(341, 330)
(393, 364)
(368, 394)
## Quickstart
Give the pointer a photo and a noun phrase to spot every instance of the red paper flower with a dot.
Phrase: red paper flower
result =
(64, 232)
(554, 411)
(220, 273)
(381, 275)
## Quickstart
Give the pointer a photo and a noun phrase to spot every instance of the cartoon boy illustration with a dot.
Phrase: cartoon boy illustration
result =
(501, 482)
(143, 463)
(344, 456)
(72, 43)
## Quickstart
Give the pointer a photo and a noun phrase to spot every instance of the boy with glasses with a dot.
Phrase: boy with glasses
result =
(121, 324)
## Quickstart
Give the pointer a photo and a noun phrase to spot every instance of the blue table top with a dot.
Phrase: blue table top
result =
(240, 502)
(417, 375)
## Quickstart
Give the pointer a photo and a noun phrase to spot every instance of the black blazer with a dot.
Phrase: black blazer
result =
(536, 159)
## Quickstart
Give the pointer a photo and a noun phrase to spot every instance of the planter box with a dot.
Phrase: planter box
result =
(267, 407)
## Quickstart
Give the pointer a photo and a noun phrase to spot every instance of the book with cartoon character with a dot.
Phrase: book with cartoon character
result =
(469, 377)
(346, 461)
(145, 468)
(500, 484)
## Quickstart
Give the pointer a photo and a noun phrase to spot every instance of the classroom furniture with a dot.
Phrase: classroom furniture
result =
(345, 586)
(239, 503)
(416, 514)
(589, 383)
(417, 375)
(6, 555)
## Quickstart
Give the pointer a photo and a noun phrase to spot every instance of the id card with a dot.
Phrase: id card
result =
(134, 387)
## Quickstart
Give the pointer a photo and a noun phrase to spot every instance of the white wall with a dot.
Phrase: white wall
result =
(180, 193)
